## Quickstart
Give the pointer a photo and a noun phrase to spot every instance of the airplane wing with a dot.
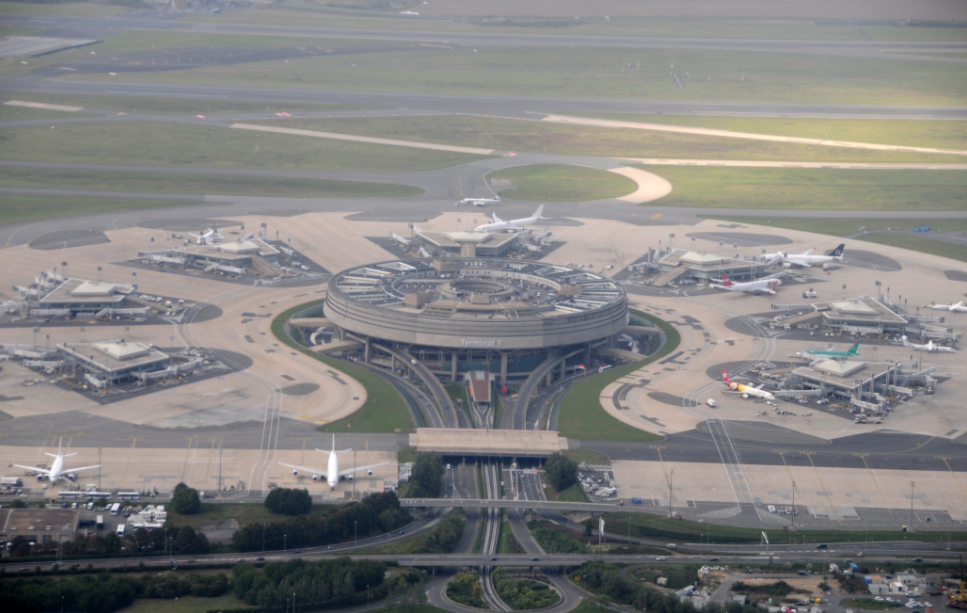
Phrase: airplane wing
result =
(497, 219)
(77, 470)
(34, 468)
(807, 252)
(349, 471)
(768, 291)
(314, 471)
(799, 264)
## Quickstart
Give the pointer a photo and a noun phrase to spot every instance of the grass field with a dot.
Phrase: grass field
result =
(14, 113)
(18, 30)
(157, 105)
(158, 182)
(649, 525)
(589, 457)
(189, 145)
(63, 9)
(785, 29)
(581, 413)
(18, 209)
(384, 409)
(573, 493)
(502, 545)
(842, 227)
(550, 137)
(186, 604)
(909, 133)
(821, 188)
(714, 75)
(869, 604)
(563, 183)
(214, 513)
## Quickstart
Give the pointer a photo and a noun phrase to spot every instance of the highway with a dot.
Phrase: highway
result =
(500, 503)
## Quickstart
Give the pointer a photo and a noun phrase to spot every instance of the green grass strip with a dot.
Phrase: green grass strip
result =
(563, 183)
(384, 409)
(183, 183)
(18, 209)
(582, 415)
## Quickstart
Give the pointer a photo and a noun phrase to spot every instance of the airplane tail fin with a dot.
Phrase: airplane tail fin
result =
(540, 212)
(854, 350)
(497, 219)
(725, 376)
(727, 283)
(838, 252)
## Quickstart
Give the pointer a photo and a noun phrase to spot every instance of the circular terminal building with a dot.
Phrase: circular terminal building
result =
(462, 315)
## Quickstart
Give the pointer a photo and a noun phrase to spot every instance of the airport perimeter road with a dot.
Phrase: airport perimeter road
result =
(532, 503)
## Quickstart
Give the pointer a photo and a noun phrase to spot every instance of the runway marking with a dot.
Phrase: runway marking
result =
(211, 453)
(128, 463)
(9, 238)
(191, 439)
(363, 139)
(955, 477)
(821, 484)
(875, 482)
(656, 216)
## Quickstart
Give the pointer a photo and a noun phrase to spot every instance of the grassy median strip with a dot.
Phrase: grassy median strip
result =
(581, 72)
(183, 183)
(159, 105)
(814, 188)
(175, 144)
(18, 209)
(384, 409)
(582, 415)
(553, 137)
(563, 183)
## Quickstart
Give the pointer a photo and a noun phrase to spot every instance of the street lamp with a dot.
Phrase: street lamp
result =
(912, 484)
(793, 508)
(671, 480)
(284, 545)
(355, 533)
(263, 538)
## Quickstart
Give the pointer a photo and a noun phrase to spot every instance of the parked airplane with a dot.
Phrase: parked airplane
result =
(929, 347)
(332, 474)
(741, 388)
(207, 237)
(480, 201)
(767, 285)
(807, 259)
(956, 308)
(854, 350)
(513, 224)
(56, 470)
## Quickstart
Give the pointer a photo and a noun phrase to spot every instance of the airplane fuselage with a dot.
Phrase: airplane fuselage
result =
(332, 477)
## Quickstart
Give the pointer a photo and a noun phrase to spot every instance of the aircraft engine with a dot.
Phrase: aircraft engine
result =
(315, 477)
(295, 472)
(786, 265)
(40, 477)
(370, 472)
(350, 477)
(70, 476)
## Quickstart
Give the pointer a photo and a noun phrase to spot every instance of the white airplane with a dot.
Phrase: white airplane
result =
(513, 224)
(56, 471)
(956, 308)
(929, 347)
(767, 285)
(207, 237)
(748, 390)
(332, 474)
(480, 201)
(807, 259)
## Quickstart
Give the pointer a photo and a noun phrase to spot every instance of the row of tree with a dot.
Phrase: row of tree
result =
(427, 479)
(377, 513)
(326, 584)
(103, 592)
(289, 501)
(184, 540)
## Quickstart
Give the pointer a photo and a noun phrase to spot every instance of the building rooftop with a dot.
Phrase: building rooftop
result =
(113, 356)
(860, 310)
(79, 291)
(838, 368)
(120, 350)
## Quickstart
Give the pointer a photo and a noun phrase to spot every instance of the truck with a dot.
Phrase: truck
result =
(12, 481)
(100, 522)
(711, 402)
(115, 508)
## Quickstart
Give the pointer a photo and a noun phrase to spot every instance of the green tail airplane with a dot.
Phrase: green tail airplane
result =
(854, 350)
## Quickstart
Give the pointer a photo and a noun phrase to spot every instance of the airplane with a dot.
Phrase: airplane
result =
(956, 308)
(740, 388)
(767, 285)
(854, 350)
(513, 224)
(207, 237)
(806, 259)
(332, 474)
(480, 201)
(56, 471)
(929, 347)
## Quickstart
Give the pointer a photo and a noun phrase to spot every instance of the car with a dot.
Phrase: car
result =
(190, 562)
(918, 559)
(296, 551)
(494, 559)
(329, 547)
(260, 559)
(822, 546)
(402, 532)
(660, 558)
(877, 598)
(535, 559)
(713, 559)
(239, 560)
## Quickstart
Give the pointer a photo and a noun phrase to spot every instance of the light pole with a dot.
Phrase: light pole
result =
(284, 544)
(263, 538)
(671, 481)
(355, 533)
(793, 508)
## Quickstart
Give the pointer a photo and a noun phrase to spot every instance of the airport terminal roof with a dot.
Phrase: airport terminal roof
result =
(115, 356)
(79, 291)
(861, 310)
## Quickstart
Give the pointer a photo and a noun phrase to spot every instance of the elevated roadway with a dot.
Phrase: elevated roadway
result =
(502, 503)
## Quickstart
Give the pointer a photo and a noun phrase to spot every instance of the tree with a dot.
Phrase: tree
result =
(18, 504)
(427, 476)
(185, 500)
(561, 471)
(289, 501)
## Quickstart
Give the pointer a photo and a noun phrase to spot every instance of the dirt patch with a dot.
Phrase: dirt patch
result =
(220, 532)
(810, 583)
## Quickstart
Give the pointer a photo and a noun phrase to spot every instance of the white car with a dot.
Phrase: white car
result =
(660, 559)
